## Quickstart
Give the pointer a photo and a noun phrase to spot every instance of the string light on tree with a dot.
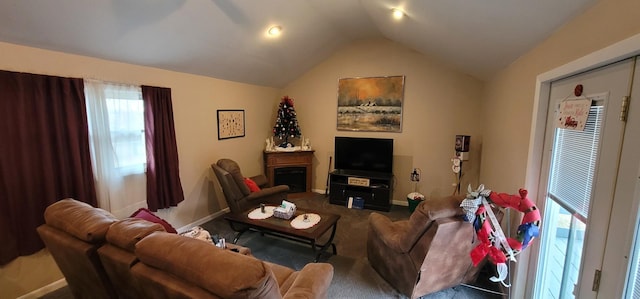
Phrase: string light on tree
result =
(286, 123)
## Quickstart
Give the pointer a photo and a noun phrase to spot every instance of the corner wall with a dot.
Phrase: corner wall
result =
(195, 101)
(510, 94)
(439, 103)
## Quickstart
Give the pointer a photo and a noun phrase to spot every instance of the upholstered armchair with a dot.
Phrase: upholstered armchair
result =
(236, 192)
(428, 252)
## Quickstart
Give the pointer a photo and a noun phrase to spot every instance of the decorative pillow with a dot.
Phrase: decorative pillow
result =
(253, 187)
(145, 214)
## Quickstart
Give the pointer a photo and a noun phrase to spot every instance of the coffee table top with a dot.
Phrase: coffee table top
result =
(327, 220)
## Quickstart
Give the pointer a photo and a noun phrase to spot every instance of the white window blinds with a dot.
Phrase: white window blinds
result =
(572, 171)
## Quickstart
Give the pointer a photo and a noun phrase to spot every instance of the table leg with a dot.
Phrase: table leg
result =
(313, 249)
(239, 232)
(326, 245)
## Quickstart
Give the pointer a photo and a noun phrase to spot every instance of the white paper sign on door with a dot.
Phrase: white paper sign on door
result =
(573, 114)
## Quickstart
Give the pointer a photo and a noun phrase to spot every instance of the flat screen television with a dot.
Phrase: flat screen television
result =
(364, 154)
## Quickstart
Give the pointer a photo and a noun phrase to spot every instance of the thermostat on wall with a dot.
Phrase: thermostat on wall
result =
(358, 181)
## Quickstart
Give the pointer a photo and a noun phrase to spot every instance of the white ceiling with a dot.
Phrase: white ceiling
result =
(226, 38)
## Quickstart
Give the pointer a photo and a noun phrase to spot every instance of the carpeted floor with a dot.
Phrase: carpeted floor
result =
(353, 275)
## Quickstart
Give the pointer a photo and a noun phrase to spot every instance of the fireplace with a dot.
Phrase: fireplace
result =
(294, 177)
(290, 168)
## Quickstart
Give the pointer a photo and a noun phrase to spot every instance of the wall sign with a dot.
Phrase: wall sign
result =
(573, 114)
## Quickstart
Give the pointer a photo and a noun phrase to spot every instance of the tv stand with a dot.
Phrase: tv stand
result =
(374, 187)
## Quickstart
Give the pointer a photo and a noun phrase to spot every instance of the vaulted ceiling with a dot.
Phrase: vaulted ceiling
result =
(227, 39)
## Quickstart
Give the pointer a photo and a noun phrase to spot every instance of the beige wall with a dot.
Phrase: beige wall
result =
(439, 103)
(195, 101)
(510, 95)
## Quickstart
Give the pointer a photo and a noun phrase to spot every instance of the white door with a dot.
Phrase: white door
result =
(581, 171)
(623, 250)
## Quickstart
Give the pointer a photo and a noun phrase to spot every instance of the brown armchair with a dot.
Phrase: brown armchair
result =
(238, 196)
(428, 252)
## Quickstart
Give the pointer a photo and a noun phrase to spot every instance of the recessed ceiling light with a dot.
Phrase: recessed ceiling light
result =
(397, 13)
(275, 30)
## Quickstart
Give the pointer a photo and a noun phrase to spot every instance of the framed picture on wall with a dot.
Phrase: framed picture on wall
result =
(230, 124)
(370, 104)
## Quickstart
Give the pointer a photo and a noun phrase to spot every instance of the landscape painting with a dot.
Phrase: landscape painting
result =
(370, 104)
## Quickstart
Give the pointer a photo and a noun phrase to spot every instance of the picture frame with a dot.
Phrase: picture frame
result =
(370, 104)
(230, 124)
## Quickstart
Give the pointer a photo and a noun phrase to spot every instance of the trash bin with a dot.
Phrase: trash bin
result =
(414, 198)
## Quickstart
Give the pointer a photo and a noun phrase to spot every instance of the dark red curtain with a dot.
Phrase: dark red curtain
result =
(44, 156)
(163, 178)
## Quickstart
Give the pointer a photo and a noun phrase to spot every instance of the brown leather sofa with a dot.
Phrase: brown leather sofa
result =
(428, 252)
(238, 196)
(73, 232)
(174, 266)
(102, 257)
(118, 253)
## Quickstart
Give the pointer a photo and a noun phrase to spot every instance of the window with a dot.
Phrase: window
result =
(126, 124)
(116, 126)
(115, 114)
(118, 115)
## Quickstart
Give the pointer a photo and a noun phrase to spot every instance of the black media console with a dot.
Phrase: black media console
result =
(374, 187)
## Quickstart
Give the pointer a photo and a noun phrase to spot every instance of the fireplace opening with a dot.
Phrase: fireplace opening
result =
(294, 177)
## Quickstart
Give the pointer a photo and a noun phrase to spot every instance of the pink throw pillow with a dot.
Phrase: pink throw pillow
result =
(253, 187)
(145, 214)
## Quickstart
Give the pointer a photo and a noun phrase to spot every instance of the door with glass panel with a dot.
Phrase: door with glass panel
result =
(580, 170)
(627, 201)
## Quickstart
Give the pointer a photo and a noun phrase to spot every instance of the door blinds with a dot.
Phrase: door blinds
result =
(573, 169)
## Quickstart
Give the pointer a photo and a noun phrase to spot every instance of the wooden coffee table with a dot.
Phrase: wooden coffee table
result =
(240, 222)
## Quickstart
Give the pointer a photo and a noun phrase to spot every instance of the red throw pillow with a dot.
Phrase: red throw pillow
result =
(253, 187)
(145, 214)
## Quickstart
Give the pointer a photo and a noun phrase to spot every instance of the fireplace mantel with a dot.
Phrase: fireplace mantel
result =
(285, 159)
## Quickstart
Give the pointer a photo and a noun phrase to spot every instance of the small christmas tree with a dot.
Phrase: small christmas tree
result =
(286, 122)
